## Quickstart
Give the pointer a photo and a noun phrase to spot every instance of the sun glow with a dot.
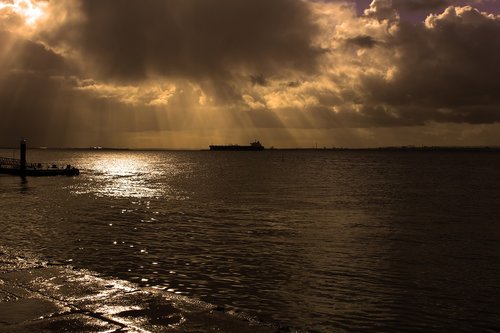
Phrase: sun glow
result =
(30, 11)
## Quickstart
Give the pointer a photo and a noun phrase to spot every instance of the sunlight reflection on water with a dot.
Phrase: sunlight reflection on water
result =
(123, 175)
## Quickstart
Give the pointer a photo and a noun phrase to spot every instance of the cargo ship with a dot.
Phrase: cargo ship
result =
(19, 167)
(254, 146)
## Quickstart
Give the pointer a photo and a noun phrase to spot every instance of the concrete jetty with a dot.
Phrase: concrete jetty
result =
(37, 296)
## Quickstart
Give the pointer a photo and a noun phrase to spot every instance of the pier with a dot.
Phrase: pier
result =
(20, 167)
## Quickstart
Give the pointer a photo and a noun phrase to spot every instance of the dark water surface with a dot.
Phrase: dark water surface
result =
(318, 240)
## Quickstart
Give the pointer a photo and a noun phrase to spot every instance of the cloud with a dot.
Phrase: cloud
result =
(32, 88)
(382, 10)
(450, 63)
(109, 68)
(362, 41)
(381, 72)
(137, 40)
(26, 55)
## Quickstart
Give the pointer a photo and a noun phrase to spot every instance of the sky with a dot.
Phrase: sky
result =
(290, 73)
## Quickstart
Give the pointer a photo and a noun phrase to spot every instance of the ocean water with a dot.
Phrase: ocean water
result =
(316, 240)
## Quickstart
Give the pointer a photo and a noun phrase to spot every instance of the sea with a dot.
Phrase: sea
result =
(312, 240)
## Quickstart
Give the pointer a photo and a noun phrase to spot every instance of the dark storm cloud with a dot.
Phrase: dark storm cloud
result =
(32, 90)
(363, 41)
(26, 55)
(133, 40)
(449, 64)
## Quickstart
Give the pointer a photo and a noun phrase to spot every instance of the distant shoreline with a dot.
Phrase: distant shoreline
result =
(390, 148)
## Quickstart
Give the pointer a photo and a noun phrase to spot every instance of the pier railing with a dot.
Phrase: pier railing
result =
(10, 161)
(16, 163)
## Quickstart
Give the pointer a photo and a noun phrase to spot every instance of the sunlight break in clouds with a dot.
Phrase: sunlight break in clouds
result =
(183, 73)
(30, 11)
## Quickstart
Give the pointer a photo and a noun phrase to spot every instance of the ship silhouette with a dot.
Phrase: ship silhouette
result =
(254, 146)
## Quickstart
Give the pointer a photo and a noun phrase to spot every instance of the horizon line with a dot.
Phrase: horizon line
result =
(402, 147)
